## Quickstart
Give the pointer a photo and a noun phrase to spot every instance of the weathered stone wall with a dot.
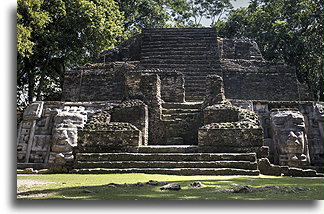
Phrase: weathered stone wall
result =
(172, 84)
(134, 112)
(230, 129)
(113, 137)
(214, 90)
(239, 49)
(96, 82)
(212, 138)
(259, 80)
(129, 50)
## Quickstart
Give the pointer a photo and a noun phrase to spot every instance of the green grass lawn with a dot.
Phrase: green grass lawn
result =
(95, 187)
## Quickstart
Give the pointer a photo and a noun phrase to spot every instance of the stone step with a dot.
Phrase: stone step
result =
(179, 110)
(192, 81)
(178, 43)
(182, 67)
(167, 164)
(179, 61)
(175, 141)
(186, 105)
(201, 86)
(198, 90)
(208, 36)
(172, 39)
(181, 116)
(180, 46)
(251, 157)
(162, 49)
(168, 148)
(195, 86)
(32, 165)
(179, 57)
(201, 93)
(198, 74)
(183, 33)
(166, 52)
(194, 98)
(170, 171)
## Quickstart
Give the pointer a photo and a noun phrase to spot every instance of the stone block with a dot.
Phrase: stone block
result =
(218, 139)
(220, 114)
(266, 168)
(113, 139)
(33, 111)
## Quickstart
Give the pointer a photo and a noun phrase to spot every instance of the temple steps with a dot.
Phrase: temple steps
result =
(179, 57)
(170, 156)
(181, 116)
(186, 105)
(181, 122)
(179, 42)
(170, 171)
(162, 44)
(164, 52)
(180, 163)
(167, 164)
(147, 50)
(175, 141)
(192, 97)
(192, 51)
(168, 149)
(183, 67)
(179, 110)
(184, 33)
(185, 62)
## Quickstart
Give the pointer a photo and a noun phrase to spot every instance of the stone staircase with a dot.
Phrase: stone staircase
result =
(192, 51)
(177, 154)
(181, 122)
(181, 161)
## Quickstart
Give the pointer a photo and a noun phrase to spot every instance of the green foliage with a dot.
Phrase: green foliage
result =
(55, 35)
(143, 14)
(190, 12)
(290, 31)
(96, 187)
(29, 19)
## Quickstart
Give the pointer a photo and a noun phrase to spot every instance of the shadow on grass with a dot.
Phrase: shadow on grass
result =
(207, 192)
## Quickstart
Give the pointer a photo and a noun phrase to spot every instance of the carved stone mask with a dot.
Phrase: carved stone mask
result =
(289, 130)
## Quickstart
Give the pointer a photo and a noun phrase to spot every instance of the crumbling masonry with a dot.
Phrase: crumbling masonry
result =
(177, 101)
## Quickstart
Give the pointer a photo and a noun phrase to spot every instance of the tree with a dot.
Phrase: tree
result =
(289, 31)
(143, 14)
(191, 12)
(55, 35)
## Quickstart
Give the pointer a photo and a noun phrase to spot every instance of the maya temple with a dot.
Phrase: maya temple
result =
(176, 101)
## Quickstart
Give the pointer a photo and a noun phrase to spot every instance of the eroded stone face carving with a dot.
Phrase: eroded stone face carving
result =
(65, 133)
(64, 139)
(290, 140)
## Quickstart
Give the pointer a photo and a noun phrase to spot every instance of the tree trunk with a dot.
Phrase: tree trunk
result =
(31, 79)
(41, 84)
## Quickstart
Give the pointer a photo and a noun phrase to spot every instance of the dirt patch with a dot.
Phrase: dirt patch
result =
(23, 185)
